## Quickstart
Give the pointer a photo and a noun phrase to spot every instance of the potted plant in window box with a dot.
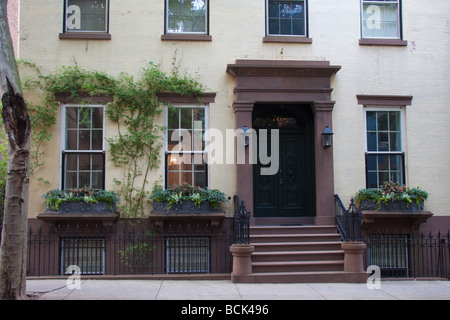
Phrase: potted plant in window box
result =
(80, 204)
(81, 200)
(186, 198)
(391, 197)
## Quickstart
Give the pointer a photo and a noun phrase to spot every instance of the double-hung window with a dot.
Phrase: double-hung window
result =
(86, 16)
(185, 146)
(385, 157)
(286, 18)
(187, 16)
(83, 146)
(380, 19)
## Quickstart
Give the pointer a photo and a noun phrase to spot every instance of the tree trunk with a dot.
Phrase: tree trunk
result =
(13, 250)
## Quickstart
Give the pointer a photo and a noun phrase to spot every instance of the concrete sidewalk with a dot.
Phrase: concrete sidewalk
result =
(226, 290)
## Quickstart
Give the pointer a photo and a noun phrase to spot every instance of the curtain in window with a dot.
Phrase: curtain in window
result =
(380, 20)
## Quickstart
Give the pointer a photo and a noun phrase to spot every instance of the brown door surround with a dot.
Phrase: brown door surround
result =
(295, 82)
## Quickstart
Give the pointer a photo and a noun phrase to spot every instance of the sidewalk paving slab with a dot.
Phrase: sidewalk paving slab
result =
(51, 289)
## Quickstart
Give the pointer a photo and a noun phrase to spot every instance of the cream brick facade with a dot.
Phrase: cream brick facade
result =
(420, 69)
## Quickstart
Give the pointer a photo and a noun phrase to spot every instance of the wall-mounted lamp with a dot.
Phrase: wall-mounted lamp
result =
(327, 137)
(245, 137)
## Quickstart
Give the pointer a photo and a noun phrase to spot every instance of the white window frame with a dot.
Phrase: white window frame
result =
(402, 136)
(66, 30)
(181, 32)
(288, 35)
(399, 19)
(166, 136)
(63, 136)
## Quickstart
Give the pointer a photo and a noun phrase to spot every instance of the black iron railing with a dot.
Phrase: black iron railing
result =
(128, 250)
(409, 255)
(348, 221)
(241, 222)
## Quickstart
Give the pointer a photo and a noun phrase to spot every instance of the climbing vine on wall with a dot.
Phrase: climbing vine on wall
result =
(134, 109)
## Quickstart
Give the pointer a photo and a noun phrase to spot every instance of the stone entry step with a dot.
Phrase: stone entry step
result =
(294, 254)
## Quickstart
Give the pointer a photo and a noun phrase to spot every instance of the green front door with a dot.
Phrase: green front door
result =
(289, 192)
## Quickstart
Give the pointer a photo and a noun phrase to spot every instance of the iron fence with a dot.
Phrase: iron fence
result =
(409, 255)
(241, 222)
(128, 250)
(348, 221)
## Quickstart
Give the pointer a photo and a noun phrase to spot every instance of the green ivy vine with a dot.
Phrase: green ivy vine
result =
(134, 109)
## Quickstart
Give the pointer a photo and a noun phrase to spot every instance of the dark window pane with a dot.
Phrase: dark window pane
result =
(186, 118)
(372, 180)
(97, 140)
(97, 162)
(274, 26)
(84, 137)
(173, 118)
(71, 180)
(383, 177)
(382, 120)
(84, 179)
(383, 162)
(200, 179)
(286, 26)
(372, 163)
(285, 10)
(395, 144)
(71, 162)
(396, 162)
(297, 10)
(298, 27)
(394, 120)
(97, 118)
(97, 180)
(383, 141)
(396, 176)
(85, 118)
(71, 140)
(85, 162)
(372, 141)
(371, 120)
(274, 9)
(72, 118)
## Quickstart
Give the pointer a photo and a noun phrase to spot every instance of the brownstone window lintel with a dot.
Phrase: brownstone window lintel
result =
(83, 97)
(169, 97)
(384, 100)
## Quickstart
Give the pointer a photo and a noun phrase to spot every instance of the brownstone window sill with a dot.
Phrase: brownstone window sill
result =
(383, 42)
(85, 36)
(287, 39)
(186, 37)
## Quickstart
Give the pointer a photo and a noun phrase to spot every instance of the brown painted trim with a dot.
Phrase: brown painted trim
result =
(384, 100)
(282, 39)
(208, 97)
(383, 42)
(324, 106)
(186, 37)
(282, 68)
(85, 36)
(64, 97)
